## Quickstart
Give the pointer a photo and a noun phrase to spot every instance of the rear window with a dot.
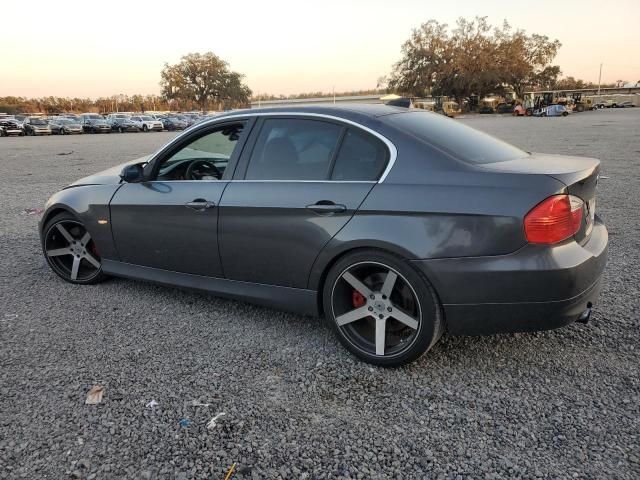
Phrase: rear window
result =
(460, 141)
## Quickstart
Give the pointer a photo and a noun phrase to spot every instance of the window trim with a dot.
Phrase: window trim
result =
(253, 117)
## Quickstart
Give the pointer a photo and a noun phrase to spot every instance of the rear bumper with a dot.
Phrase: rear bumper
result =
(536, 288)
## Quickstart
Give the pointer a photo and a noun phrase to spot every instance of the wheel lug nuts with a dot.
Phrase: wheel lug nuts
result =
(381, 316)
(389, 309)
(372, 297)
(384, 297)
(371, 309)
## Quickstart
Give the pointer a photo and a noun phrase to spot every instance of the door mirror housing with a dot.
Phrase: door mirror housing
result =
(132, 173)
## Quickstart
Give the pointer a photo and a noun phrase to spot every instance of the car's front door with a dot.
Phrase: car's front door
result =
(301, 183)
(170, 221)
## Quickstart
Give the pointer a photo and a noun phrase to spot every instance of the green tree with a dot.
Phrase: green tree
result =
(473, 58)
(204, 79)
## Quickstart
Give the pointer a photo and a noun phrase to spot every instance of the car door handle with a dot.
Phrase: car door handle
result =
(326, 208)
(200, 204)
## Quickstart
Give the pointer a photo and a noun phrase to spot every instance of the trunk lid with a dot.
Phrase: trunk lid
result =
(579, 174)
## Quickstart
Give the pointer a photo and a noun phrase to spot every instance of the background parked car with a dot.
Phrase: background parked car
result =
(64, 126)
(504, 108)
(146, 123)
(36, 126)
(173, 123)
(552, 111)
(186, 119)
(94, 123)
(625, 104)
(10, 126)
(122, 123)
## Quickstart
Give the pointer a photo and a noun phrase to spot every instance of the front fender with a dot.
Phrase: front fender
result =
(89, 203)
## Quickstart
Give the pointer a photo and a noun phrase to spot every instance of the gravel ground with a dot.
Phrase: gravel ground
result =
(560, 404)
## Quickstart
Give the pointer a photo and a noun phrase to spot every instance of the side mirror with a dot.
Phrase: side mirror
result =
(132, 173)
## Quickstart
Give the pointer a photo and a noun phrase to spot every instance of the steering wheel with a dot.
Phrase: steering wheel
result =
(200, 168)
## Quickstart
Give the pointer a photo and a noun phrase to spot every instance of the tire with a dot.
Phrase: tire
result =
(62, 131)
(419, 323)
(65, 245)
(565, 114)
(120, 129)
(579, 108)
(144, 128)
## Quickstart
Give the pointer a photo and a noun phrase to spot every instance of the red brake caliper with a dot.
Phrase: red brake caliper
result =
(357, 299)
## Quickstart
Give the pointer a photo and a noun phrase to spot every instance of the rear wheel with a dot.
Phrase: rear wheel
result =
(70, 250)
(382, 309)
(145, 128)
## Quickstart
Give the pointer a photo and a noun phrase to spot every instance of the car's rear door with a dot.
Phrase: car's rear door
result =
(170, 222)
(292, 192)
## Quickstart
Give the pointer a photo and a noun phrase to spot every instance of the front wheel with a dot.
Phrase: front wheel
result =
(145, 128)
(381, 308)
(70, 251)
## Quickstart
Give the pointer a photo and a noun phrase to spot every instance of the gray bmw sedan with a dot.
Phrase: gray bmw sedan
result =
(393, 224)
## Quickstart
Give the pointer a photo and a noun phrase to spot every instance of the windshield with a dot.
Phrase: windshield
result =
(37, 121)
(146, 119)
(458, 140)
(94, 117)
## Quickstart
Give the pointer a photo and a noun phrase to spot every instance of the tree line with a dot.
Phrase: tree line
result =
(471, 58)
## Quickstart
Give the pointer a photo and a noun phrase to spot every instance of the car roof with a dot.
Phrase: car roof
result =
(348, 111)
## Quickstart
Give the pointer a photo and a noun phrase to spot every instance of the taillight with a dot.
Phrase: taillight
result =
(554, 219)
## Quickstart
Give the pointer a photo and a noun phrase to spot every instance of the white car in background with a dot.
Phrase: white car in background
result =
(146, 123)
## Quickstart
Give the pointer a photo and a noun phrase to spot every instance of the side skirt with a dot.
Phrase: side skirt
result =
(295, 300)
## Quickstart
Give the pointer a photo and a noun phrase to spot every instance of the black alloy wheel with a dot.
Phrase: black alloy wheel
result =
(383, 310)
(70, 250)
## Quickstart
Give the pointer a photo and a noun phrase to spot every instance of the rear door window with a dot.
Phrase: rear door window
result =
(294, 149)
(361, 157)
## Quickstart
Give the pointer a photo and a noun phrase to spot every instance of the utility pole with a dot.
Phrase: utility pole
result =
(334, 94)
(599, 79)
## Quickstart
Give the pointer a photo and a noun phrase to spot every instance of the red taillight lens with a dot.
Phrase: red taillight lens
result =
(553, 220)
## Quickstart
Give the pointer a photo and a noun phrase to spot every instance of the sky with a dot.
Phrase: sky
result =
(92, 49)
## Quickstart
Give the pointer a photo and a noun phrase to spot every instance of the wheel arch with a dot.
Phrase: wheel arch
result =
(52, 212)
(317, 281)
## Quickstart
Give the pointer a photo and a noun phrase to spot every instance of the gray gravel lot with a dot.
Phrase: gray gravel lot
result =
(560, 404)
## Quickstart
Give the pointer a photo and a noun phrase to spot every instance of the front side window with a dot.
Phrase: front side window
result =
(361, 157)
(205, 158)
(293, 149)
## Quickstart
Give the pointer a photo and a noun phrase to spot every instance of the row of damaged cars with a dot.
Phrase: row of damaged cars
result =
(68, 124)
